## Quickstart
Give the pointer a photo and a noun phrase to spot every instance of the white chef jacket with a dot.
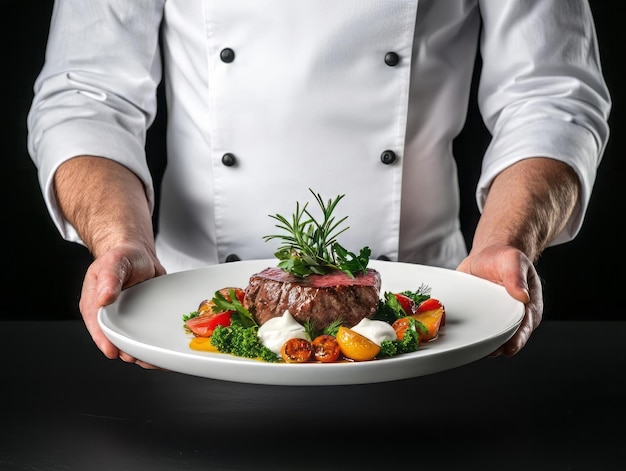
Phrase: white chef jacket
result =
(362, 98)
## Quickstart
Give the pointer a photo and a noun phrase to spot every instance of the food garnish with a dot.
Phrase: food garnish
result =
(296, 350)
(334, 343)
(356, 346)
(320, 304)
(242, 342)
(310, 246)
(326, 348)
(395, 305)
(233, 304)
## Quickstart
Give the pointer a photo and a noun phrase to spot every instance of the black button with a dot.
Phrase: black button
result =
(229, 159)
(232, 258)
(388, 157)
(392, 59)
(384, 258)
(227, 55)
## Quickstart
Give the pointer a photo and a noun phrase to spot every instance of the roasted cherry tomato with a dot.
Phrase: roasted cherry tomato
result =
(407, 303)
(205, 324)
(296, 350)
(325, 348)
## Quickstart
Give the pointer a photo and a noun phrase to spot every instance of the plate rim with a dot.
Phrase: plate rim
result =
(257, 372)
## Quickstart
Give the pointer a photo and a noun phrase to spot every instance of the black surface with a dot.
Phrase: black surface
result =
(43, 274)
(558, 405)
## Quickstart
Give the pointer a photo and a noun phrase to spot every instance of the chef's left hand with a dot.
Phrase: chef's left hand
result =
(511, 268)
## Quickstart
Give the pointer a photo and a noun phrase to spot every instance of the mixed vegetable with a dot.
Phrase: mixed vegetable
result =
(223, 324)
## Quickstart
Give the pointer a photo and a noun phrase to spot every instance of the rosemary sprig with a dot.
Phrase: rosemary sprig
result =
(310, 246)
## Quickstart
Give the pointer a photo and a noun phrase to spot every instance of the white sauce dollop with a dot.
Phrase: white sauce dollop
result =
(376, 331)
(276, 331)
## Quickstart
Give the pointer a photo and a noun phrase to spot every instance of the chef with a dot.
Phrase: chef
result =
(268, 99)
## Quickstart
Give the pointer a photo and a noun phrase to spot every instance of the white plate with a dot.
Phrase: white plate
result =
(146, 322)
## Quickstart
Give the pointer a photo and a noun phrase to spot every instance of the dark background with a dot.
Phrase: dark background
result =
(43, 274)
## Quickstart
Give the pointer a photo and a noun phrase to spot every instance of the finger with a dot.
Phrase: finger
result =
(497, 353)
(148, 366)
(521, 336)
(125, 357)
(533, 314)
(522, 282)
(515, 271)
(131, 359)
(89, 311)
(100, 288)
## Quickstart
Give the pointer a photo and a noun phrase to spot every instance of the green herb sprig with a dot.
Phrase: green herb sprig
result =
(238, 311)
(310, 246)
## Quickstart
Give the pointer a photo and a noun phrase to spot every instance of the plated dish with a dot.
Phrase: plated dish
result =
(146, 322)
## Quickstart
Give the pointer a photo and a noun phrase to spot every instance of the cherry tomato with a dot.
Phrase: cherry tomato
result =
(430, 305)
(326, 348)
(401, 326)
(407, 303)
(296, 350)
(356, 346)
(431, 320)
(204, 325)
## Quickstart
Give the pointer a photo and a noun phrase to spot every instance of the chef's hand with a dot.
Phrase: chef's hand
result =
(511, 268)
(118, 268)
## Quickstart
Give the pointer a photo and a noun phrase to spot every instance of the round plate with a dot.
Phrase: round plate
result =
(146, 322)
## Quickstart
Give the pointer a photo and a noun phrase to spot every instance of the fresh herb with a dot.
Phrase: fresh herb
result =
(420, 295)
(408, 344)
(241, 341)
(237, 310)
(310, 246)
(186, 317)
(421, 327)
(309, 328)
(331, 329)
(389, 308)
(191, 315)
(388, 348)
(410, 341)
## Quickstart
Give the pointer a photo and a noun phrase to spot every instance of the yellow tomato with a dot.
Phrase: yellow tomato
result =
(355, 346)
(432, 321)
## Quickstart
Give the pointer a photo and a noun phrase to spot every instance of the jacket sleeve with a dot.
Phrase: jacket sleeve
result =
(542, 92)
(96, 93)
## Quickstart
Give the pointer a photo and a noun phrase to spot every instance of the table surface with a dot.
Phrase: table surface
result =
(560, 404)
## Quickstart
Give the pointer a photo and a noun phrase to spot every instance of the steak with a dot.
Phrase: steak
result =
(321, 298)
